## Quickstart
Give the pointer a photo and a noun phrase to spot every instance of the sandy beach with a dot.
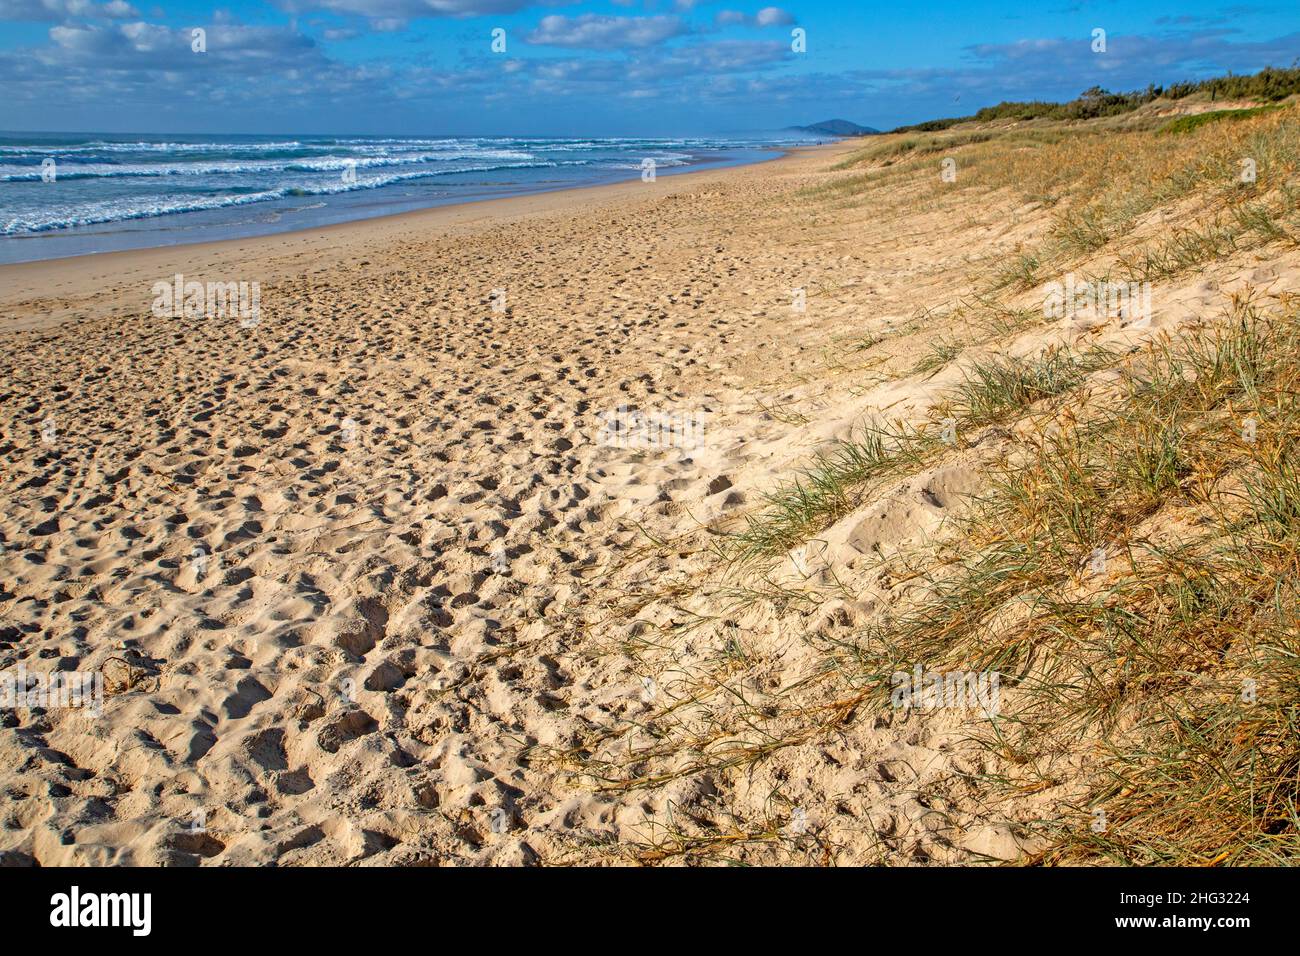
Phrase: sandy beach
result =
(374, 580)
(434, 555)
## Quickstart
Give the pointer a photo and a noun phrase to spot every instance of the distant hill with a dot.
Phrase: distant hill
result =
(838, 127)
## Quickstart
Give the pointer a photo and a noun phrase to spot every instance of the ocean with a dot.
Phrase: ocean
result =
(70, 194)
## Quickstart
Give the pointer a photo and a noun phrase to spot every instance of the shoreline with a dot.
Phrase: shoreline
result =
(295, 212)
(26, 284)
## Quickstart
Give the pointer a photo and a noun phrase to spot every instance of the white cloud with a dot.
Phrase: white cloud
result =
(595, 32)
(773, 17)
(767, 17)
(410, 9)
(147, 47)
(38, 11)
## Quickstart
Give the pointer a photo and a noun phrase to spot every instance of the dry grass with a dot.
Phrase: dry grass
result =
(1159, 692)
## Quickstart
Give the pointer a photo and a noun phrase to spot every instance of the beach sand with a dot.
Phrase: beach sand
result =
(369, 583)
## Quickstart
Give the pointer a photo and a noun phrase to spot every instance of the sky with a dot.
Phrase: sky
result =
(615, 67)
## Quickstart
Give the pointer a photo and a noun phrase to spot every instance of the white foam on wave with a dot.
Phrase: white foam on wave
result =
(11, 173)
(88, 214)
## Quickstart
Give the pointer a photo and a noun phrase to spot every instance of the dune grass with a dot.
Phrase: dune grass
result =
(1131, 566)
(1186, 124)
(1170, 676)
(1104, 180)
(833, 485)
(993, 389)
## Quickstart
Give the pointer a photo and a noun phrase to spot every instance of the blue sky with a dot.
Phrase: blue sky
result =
(616, 67)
